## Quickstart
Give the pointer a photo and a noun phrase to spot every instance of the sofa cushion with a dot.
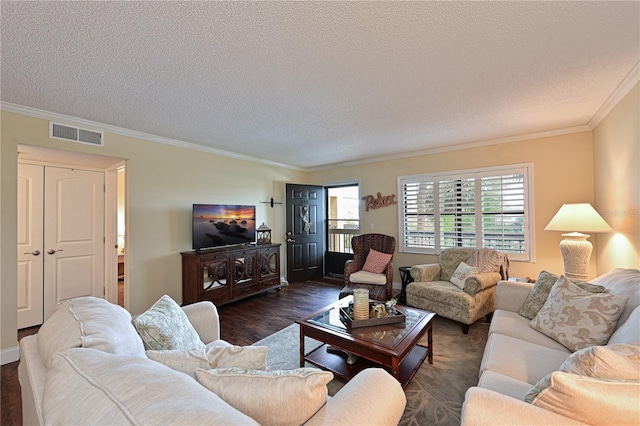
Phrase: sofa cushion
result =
(515, 325)
(376, 262)
(88, 322)
(541, 289)
(165, 326)
(617, 362)
(462, 272)
(577, 318)
(189, 360)
(86, 386)
(519, 359)
(629, 332)
(504, 384)
(622, 282)
(283, 397)
(589, 400)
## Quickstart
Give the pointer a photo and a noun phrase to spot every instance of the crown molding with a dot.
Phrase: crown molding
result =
(621, 91)
(93, 125)
(455, 147)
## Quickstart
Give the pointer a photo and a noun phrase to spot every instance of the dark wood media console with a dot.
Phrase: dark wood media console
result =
(226, 274)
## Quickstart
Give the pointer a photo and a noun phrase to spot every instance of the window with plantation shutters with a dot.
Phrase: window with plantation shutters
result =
(471, 208)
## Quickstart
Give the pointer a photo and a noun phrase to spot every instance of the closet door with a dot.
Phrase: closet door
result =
(73, 235)
(30, 245)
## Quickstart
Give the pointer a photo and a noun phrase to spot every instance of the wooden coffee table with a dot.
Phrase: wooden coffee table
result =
(392, 346)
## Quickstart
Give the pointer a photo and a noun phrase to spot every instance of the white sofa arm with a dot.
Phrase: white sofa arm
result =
(486, 407)
(372, 397)
(510, 295)
(204, 318)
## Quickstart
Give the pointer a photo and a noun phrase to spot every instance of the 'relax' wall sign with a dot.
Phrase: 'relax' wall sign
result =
(372, 202)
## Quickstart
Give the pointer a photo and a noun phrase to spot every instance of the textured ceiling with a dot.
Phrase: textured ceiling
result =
(311, 84)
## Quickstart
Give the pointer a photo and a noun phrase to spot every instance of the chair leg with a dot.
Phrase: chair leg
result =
(465, 328)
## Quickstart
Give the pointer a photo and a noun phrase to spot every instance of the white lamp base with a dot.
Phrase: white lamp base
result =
(576, 252)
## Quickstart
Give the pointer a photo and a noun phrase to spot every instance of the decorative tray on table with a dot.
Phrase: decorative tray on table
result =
(346, 315)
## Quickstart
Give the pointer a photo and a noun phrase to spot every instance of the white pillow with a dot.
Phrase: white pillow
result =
(588, 400)
(462, 272)
(165, 326)
(189, 360)
(615, 362)
(282, 397)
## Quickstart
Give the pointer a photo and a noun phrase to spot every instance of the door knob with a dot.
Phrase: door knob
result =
(53, 251)
(290, 240)
(35, 253)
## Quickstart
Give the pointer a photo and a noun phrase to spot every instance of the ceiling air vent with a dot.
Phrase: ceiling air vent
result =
(75, 134)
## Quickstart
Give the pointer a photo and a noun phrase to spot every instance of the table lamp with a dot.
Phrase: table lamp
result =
(576, 250)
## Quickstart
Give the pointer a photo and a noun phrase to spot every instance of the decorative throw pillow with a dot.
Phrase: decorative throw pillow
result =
(616, 362)
(189, 360)
(588, 400)
(376, 262)
(165, 326)
(462, 272)
(540, 291)
(283, 397)
(576, 318)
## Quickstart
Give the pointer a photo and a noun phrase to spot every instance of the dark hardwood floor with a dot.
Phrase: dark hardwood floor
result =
(242, 323)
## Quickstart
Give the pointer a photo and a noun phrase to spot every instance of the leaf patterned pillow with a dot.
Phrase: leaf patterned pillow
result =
(166, 326)
(540, 291)
(576, 318)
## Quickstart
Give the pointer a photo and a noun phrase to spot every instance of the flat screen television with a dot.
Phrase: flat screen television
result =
(216, 225)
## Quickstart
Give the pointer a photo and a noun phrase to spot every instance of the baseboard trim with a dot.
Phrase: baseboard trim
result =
(9, 355)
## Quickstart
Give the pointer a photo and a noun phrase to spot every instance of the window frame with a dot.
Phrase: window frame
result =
(526, 169)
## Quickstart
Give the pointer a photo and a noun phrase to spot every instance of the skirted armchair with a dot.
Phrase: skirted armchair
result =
(379, 280)
(474, 294)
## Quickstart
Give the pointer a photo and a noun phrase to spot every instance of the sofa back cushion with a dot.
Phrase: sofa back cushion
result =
(629, 332)
(622, 282)
(86, 386)
(450, 259)
(89, 322)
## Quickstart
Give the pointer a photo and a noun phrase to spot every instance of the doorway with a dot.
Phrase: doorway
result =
(343, 222)
(305, 230)
(82, 175)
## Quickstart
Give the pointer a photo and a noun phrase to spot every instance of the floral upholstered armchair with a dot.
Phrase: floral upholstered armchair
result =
(371, 267)
(461, 286)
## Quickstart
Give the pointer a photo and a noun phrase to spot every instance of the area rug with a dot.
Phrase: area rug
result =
(436, 392)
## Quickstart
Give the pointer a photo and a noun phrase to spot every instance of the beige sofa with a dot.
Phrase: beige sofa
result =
(89, 366)
(517, 357)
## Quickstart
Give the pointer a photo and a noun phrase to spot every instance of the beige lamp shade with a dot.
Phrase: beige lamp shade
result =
(576, 250)
(581, 217)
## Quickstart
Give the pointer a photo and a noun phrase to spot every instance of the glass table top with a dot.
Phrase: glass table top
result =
(387, 335)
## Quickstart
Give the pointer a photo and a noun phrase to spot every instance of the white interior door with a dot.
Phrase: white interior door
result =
(73, 235)
(30, 245)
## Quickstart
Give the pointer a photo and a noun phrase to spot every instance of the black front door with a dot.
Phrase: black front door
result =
(305, 232)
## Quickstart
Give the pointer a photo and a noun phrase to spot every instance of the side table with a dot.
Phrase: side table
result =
(405, 276)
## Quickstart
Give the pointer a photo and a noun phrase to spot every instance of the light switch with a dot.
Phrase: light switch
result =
(371, 226)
